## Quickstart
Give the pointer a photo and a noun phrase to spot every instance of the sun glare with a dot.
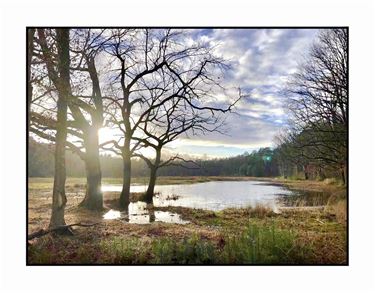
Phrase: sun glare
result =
(106, 134)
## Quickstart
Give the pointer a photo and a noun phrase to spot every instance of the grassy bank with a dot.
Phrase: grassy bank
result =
(233, 236)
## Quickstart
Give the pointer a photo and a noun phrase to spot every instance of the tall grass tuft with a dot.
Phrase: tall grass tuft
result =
(124, 251)
(255, 245)
(261, 245)
(189, 251)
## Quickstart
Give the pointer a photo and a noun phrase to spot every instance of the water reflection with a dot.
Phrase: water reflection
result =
(139, 214)
(168, 217)
(214, 195)
(138, 207)
(112, 215)
(219, 195)
(139, 219)
(305, 198)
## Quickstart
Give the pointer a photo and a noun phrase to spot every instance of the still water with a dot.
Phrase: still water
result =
(214, 195)
(139, 214)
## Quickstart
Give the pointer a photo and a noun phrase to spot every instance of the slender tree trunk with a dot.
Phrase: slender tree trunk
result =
(126, 153)
(344, 175)
(305, 171)
(58, 197)
(94, 197)
(30, 49)
(322, 175)
(151, 185)
(125, 193)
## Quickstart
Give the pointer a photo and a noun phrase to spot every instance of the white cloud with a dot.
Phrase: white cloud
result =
(261, 60)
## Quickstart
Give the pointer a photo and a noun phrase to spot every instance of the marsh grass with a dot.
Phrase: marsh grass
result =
(124, 250)
(337, 209)
(193, 250)
(254, 245)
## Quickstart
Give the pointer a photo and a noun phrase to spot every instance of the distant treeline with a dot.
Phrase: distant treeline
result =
(265, 162)
(260, 163)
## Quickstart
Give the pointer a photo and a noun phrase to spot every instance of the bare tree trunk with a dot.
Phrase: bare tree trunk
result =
(30, 49)
(305, 171)
(285, 171)
(152, 216)
(343, 174)
(94, 197)
(151, 185)
(126, 152)
(58, 197)
(322, 175)
(125, 193)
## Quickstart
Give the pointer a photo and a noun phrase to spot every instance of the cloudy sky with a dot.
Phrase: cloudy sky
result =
(261, 60)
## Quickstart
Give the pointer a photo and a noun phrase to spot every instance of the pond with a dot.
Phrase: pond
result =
(218, 195)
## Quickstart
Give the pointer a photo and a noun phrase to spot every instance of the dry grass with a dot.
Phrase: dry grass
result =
(338, 210)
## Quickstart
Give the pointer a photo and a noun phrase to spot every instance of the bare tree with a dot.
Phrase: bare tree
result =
(87, 111)
(168, 122)
(150, 75)
(60, 76)
(318, 102)
(156, 68)
(86, 108)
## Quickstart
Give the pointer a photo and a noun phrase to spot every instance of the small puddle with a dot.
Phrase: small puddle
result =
(168, 217)
(139, 214)
(112, 215)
